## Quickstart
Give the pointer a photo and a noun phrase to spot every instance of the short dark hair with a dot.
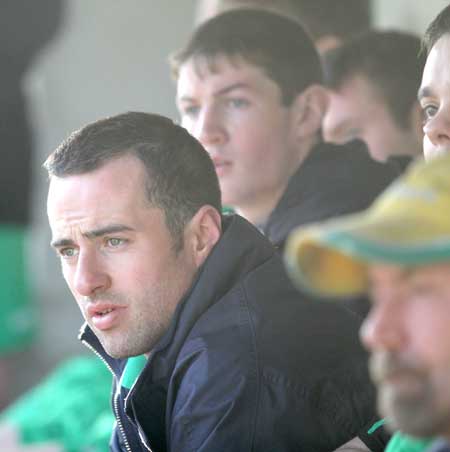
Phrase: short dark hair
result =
(438, 27)
(181, 175)
(274, 43)
(390, 60)
(341, 18)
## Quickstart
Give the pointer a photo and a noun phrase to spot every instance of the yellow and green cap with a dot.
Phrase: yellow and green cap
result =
(408, 225)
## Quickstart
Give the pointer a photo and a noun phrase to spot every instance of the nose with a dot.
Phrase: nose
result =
(382, 329)
(90, 277)
(437, 129)
(210, 128)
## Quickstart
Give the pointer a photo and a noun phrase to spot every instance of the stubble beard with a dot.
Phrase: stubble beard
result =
(416, 411)
(141, 334)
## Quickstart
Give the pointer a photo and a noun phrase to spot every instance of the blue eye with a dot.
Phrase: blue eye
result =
(115, 242)
(190, 111)
(238, 102)
(67, 253)
(428, 111)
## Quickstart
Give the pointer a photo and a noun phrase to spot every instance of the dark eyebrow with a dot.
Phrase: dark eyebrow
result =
(220, 92)
(423, 92)
(110, 229)
(227, 89)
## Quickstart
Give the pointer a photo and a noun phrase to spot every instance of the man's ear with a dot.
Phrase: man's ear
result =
(309, 109)
(203, 232)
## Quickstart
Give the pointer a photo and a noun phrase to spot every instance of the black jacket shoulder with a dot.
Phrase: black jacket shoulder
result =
(334, 180)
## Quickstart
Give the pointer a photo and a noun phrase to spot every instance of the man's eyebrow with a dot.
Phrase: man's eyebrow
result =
(61, 242)
(109, 229)
(423, 92)
(220, 92)
(227, 89)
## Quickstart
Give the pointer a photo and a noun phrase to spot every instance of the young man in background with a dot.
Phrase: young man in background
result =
(249, 89)
(373, 80)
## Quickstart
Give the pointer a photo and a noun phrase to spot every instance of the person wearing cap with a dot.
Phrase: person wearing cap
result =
(398, 251)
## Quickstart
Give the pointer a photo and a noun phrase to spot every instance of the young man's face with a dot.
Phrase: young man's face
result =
(117, 255)
(356, 110)
(434, 98)
(408, 334)
(236, 112)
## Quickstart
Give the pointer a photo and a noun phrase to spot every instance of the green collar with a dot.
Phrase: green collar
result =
(132, 370)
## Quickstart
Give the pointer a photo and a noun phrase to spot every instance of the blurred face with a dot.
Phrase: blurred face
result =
(434, 98)
(408, 334)
(235, 111)
(117, 255)
(356, 110)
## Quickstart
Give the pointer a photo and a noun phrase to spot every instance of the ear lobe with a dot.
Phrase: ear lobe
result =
(310, 107)
(205, 229)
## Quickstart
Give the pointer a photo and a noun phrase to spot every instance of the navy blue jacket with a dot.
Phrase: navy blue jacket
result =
(248, 364)
(333, 180)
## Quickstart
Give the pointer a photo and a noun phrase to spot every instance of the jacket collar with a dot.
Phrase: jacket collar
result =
(333, 180)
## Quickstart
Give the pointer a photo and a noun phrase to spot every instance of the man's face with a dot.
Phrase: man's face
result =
(356, 110)
(117, 255)
(434, 98)
(236, 112)
(408, 334)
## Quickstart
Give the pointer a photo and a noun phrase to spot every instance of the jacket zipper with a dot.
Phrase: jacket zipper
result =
(116, 410)
(141, 434)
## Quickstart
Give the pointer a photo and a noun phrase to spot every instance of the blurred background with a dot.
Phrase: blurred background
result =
(107, 57)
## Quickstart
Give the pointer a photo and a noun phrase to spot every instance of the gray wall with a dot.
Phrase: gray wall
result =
(409, 15)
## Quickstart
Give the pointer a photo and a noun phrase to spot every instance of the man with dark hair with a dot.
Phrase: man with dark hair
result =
(373, 80)
(249, 88)
(434, 93)
(210, 347)
(329, 22)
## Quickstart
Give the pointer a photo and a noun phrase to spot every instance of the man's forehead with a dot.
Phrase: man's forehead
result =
(122, 180)
(437, 60)
(222, 76)
(206, 65)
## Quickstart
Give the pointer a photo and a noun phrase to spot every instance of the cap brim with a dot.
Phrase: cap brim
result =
(331, 259)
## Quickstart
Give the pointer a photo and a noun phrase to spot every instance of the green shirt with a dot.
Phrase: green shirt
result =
(17, 314)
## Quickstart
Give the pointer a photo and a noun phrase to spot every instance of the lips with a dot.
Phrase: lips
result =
(221, 166)
(105, 316)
